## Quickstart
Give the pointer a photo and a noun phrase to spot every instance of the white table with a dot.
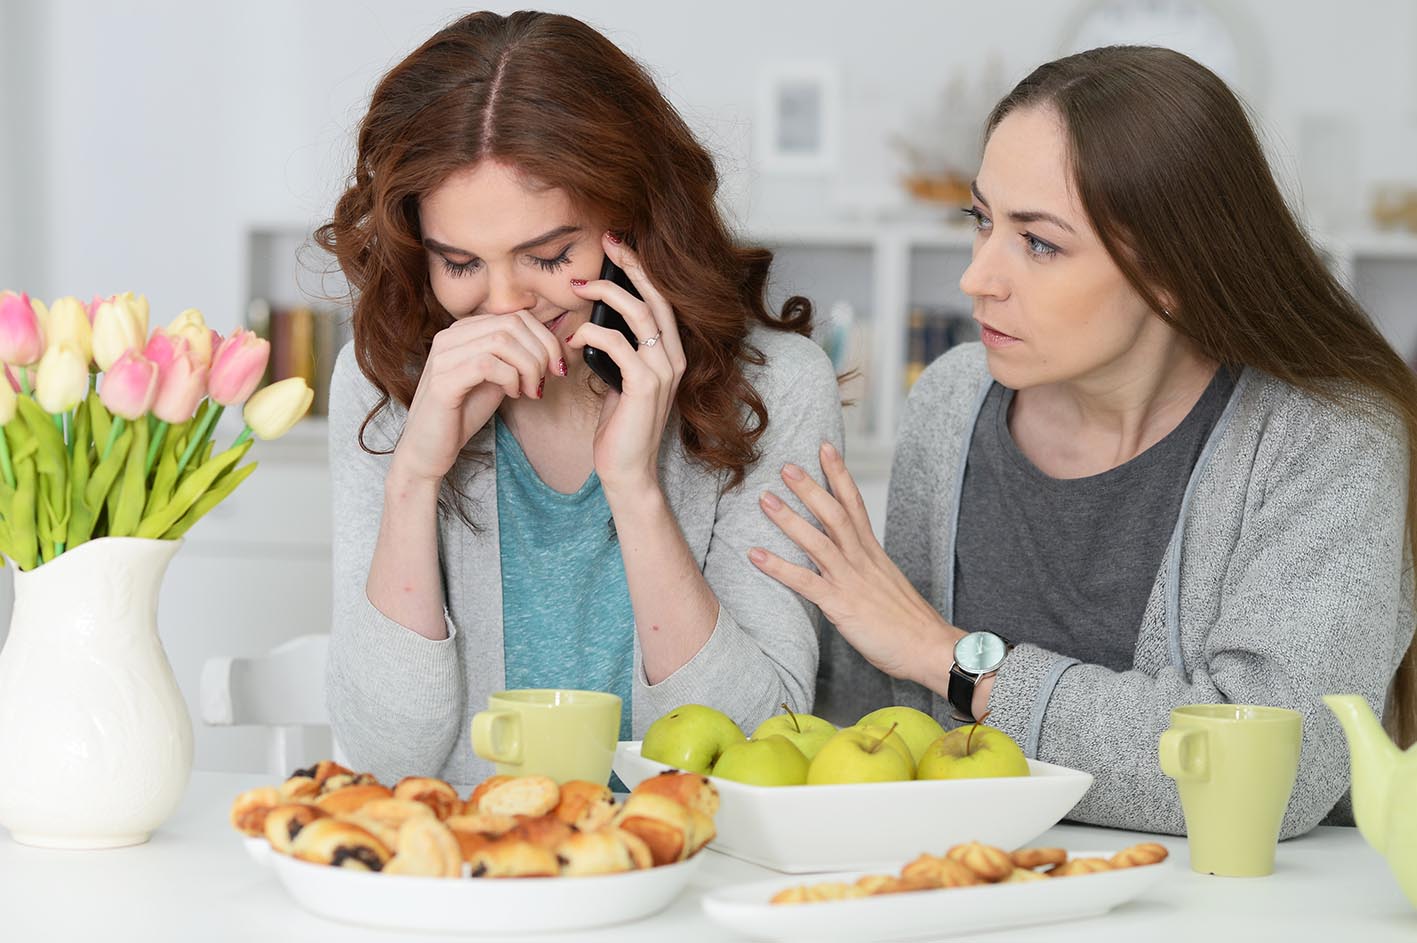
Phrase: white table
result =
(194, 881)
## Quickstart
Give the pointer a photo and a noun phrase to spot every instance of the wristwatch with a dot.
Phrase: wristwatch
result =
(977, 655)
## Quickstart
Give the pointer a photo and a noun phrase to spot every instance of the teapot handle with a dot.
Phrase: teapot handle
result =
(1185, 755)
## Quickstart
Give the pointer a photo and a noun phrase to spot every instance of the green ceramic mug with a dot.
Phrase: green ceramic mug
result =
(549, 732)
(1234, 765)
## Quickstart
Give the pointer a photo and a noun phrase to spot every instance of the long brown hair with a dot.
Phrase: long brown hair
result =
(550, 96)
(1175, 183)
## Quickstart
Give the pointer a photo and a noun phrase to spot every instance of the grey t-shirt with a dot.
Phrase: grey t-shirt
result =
(1067, 564)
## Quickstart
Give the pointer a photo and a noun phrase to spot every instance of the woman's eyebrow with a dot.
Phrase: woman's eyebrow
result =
(1024, 216)
(556, 233)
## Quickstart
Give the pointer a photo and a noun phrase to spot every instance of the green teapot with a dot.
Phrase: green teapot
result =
(1384, 788)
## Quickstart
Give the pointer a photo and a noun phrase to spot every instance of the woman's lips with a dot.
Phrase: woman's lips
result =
(555, 322)
(993, 338)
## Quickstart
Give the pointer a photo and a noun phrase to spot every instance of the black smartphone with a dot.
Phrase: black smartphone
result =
(603, 315)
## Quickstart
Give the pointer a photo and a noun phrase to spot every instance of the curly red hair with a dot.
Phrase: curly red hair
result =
(550, 96)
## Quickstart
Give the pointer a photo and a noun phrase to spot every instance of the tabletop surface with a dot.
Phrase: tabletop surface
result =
(194, 880)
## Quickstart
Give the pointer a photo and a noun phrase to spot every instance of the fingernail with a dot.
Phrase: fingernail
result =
(540, 386)
(771, 501)
(757, 556)
(561, 366)
(578, 282)
(612, 237)
(829, 450)
(793, 472)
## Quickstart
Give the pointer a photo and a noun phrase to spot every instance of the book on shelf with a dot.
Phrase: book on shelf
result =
(304, 343)
(930, 331)
(846, 338)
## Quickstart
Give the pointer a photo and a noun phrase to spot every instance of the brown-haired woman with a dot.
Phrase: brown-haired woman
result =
(1176, 471)
(502, 518)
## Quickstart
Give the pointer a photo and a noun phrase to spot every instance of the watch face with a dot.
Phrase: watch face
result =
(979, 651)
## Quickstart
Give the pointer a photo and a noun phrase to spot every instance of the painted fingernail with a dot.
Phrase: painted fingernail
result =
(793, 472)
(829, 450)
(540, 386)
(561, 366)
(612, 237)
(757, 556)
(771, 501)
(578, 282)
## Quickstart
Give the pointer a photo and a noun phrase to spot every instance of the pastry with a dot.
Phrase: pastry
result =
(349, 799)
(1030, 858)
(812, 893)
(990, 863)
(434, 793)
(286, 821)
(1079, 866)
(1022, 875)
(474, 801)
(514, 858)
(521, 795)
(319, 772)
(585, 805)
(384, 817)
(1139, 855)
(688, 789)
(426, 848)
(339, 844)
(299, 788)
(248, 812)
(941, 872)
(605, 851)
(341, 780)
(663, 824)
(475, 832)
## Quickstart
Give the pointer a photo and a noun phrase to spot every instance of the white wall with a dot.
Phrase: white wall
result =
(166, 128)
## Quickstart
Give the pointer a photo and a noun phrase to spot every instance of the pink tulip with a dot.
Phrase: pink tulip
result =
(237, 366)
(92, 307)
(129, 386)
(21, 340)
(162, 348)
(181, 384)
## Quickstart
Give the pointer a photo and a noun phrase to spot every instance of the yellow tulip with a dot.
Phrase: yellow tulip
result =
(120, 324)
(68, 324)
(272, 411)
(191, 325)
(62, 380)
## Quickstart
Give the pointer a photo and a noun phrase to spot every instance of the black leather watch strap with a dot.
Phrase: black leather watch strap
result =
(961, 691)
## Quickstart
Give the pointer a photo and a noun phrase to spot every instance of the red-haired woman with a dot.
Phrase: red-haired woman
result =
(504, 519)
(1176, 471)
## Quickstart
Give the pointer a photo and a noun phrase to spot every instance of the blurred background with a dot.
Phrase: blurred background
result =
(186, 151)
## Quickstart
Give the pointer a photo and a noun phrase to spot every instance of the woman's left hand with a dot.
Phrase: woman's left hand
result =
(632, 422)
(856, 585)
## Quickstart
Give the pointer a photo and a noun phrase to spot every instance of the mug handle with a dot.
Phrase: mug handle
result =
(1185, 755)
(491, 729)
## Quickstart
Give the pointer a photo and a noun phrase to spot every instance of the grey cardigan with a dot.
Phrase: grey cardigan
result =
(401, 704)
(1284, 580)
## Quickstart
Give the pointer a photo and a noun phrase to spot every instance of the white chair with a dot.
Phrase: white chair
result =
(284, 690)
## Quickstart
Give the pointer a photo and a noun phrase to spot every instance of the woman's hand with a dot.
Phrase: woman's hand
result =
(627, 439)
(473, 365)
(856, 585)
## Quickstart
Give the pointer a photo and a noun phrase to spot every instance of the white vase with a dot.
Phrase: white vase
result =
(95, 738)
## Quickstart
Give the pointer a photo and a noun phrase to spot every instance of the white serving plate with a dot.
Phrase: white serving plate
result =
(480, 905)
(800, 829)
(927, 914)
(258, 848)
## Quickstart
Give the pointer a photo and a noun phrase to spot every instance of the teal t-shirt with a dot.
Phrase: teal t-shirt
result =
(567, 621)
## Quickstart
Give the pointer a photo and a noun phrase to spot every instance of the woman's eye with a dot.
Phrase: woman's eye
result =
(551, 265)
(982, 223)
(1039, 248)
(459, 269)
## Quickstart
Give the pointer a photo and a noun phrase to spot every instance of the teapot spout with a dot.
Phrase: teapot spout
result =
(1374, 760)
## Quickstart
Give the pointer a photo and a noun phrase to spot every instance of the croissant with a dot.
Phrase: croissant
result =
(339, 844)
(284, 822)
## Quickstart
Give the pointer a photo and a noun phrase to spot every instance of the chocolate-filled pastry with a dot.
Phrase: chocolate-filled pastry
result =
(688, 789)
(606, 851)
(383, 818)
(320, 771)
(514, 858)
(286, 821)
(434, 793)
(426, 848)
(663, 824)
(475, 832)
(299, 789)
(340, 780)
(545, 830)
(248, 812)
(340, 844)
(519, 795)
(585, 805)
(351, 798)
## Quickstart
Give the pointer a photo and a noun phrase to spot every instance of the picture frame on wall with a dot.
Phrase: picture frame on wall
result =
(798, 118)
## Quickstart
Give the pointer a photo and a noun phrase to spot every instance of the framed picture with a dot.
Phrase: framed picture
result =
(798, 118)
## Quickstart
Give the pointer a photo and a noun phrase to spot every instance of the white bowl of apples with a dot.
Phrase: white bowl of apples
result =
(802, 796)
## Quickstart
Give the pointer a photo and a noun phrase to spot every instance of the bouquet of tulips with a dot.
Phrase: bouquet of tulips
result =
(107, 431)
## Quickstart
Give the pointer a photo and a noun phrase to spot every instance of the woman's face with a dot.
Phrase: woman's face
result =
(496, 245)
(1051, 304)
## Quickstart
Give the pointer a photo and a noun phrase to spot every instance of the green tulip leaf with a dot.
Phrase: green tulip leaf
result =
(127, 511)
(23, 536)
(99, 419)
(193, 486)
(165, 478)
(218, 493)
(99, 485)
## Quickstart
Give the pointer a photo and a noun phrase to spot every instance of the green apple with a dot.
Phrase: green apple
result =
(973, 751)
(917, 728)
(893, 740)
(770, 761)
(691, 737)
(807, 732)
(854, 755)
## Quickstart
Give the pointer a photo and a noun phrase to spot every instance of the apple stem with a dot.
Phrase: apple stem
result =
(795, 724)
(877, 745)
(970, 738)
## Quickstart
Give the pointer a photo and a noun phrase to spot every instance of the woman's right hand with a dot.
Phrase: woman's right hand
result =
(473, 365)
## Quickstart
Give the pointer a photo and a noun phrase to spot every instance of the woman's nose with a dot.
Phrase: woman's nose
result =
(506, 294)
(984, 278)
